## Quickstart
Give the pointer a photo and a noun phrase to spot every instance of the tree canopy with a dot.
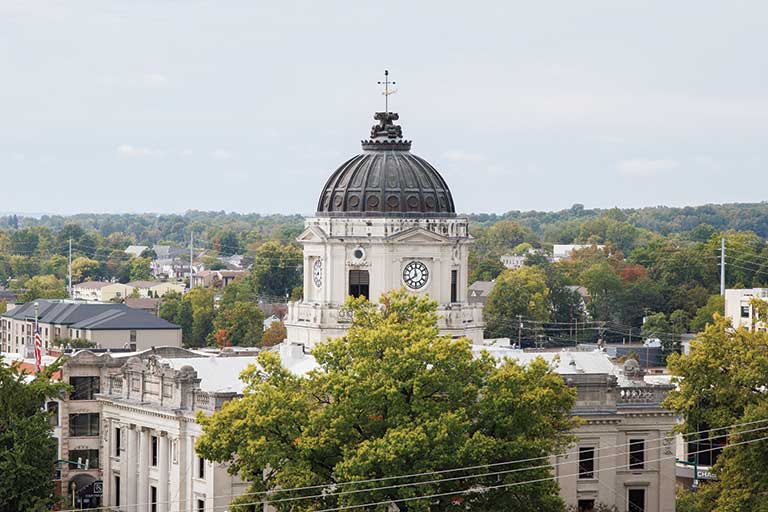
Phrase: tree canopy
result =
(27, 450)
(393, 397)
(721, 383)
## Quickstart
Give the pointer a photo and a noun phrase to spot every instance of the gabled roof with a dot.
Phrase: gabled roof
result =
(483, 287)
(90, 316)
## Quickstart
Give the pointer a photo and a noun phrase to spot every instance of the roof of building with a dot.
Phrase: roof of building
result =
(92, 285)
(136, 249)
(484, 287)
(144, 284)
(141, 303)
(386, 179)
(90, 315)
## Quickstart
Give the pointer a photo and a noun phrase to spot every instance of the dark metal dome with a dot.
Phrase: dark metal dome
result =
(386, 180)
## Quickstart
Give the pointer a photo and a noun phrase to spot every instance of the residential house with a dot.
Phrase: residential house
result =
(155, 289)
(216, 278)
(478, 292)
(100, 291)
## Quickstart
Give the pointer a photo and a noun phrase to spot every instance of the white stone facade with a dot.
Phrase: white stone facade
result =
(382, 248)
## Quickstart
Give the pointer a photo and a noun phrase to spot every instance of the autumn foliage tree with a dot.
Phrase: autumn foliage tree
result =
(393, 397)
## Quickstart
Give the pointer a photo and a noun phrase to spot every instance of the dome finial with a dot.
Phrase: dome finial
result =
(386, 92)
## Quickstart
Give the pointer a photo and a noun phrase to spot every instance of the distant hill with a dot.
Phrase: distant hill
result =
(660, 219)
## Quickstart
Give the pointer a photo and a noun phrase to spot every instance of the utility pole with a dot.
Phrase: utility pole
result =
(519, 330)
(69, 268)
(722, 266)
(191, 256)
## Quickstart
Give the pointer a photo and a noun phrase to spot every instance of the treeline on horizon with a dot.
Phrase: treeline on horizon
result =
(151, 228)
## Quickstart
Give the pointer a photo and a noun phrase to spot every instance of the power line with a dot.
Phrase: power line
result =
(467, 468)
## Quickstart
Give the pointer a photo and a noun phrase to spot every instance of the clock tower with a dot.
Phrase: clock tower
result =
(385, 220)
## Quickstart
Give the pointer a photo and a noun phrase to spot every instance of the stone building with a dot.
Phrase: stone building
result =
(385, 219)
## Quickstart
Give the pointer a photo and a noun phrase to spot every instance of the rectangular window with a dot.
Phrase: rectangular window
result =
(200, 505)
(454, 286)
(53, 410)
(154, 450)
(153, 498)
(83, 388)
(636, 500)
(118, 441)
(84, 425)
(586, 462)
(133, 337)
(745, 311)
(586, 506)
(117, 491)
(636, 454)
(91, 457)
(708, 450)
(200, 467)
(359, 283)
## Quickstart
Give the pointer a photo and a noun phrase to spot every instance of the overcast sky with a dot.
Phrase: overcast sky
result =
(170, 105)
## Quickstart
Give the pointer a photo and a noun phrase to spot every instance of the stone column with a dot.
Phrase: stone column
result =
(191, 472)
(162, 486)
(128, 479)
(143, 469)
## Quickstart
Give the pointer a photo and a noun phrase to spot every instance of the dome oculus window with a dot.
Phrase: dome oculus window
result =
(415, 275)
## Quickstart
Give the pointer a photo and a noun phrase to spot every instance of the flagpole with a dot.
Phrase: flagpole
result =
(37, 341)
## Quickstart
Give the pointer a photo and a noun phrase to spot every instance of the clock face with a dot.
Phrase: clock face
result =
(415, 275)
(317, 273)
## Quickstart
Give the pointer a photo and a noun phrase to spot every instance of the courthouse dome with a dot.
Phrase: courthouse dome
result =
(386, 180)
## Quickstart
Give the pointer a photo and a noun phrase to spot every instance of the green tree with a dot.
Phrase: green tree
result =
(522, 292)
(656, 326)
(139, 269)
(394, 397)
(27, 449)
(85, 269)
(242, 323)
(277, 269)
(44, 287)
(605, 287)
(484, 268)
(704, 315)
(228, 243)
(721, 383)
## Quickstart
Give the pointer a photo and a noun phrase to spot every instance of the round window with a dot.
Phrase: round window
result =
(358, 253)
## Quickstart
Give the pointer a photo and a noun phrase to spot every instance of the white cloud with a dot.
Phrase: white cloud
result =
(154, 80)
(147, 80)
(463, 156)
(646, 167)
(129, 151)
(222, 154)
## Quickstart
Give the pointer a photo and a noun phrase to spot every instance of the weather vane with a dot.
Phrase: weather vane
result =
(386, 83)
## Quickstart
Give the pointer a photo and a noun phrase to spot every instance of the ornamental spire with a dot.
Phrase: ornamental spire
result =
(386, 92)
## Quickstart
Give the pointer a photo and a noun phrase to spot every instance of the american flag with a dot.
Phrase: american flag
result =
(38, 350)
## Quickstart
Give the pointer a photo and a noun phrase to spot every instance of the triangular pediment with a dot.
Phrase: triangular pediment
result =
(417, 235)
(312, 234)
